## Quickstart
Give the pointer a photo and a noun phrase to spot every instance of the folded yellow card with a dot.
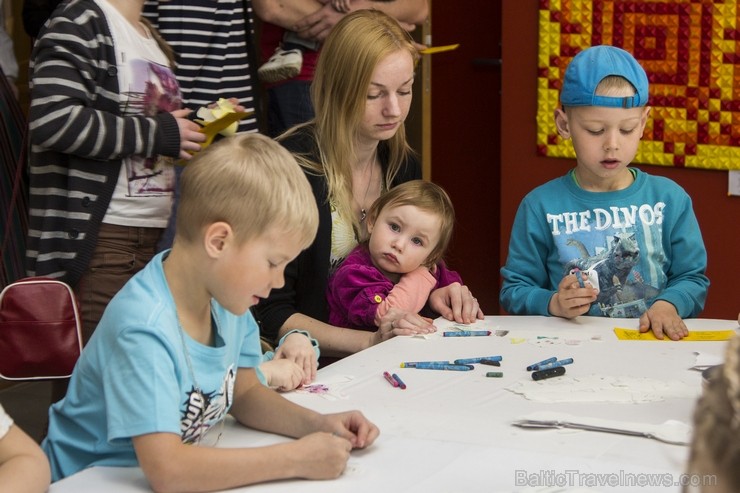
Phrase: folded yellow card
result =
(212, 128)
(694, 335)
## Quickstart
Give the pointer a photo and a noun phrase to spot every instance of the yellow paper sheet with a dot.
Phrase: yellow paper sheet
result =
(694, 335)
(438, 49)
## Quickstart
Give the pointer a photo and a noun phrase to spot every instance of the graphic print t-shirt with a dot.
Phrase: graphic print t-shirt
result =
(143, 194)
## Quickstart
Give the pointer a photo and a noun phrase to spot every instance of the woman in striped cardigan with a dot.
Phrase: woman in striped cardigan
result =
(105, 127)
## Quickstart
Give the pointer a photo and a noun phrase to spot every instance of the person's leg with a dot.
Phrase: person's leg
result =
(121, 252)
(289, 104)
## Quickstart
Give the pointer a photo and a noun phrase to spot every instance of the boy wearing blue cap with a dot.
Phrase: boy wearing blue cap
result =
(606, 239)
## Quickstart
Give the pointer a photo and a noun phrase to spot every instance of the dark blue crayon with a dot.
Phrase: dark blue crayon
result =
(534, 366)
(412, 364)
(489, 362)
(440, 366)
(556, 364)
(472, 361)
(544, 374)
(400, 382)
(466, 333)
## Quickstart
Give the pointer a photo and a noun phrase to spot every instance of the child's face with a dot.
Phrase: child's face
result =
(388, 97)
(246, 273)
(605, 140)
(401, 239)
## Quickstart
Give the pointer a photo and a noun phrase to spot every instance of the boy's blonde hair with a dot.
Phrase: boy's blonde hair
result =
(614, 85)
(428, 197)
(715, 448)
(250, 182)
(611, 86)
(344, 70)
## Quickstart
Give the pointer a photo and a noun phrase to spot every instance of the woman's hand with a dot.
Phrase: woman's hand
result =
(456, 302)
(190, 134)
(297, 347)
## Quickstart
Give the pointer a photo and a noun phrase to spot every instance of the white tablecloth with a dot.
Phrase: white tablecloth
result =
(451, 430)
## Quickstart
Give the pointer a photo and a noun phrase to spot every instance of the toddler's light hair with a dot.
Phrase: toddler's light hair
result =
(250, 182)
(715, 447)
(428, 197)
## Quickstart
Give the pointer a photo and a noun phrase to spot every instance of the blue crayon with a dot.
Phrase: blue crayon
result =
(466, 333)
(556, 364)
(412, 364)
(579, 276)
(440, 366)
(472, 361)
(534, 366)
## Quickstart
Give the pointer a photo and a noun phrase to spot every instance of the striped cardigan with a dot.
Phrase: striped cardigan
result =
(78, 139)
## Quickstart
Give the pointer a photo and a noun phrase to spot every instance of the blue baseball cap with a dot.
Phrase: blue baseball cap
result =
(589, 67)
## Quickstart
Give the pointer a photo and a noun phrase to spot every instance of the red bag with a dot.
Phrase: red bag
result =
(40, 335)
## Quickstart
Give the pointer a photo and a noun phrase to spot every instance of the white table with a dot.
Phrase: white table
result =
(451, 431)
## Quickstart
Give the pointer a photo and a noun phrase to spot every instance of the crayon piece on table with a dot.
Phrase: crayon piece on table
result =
(439, 366)
(495, 374)
(466, 333)
(472, 361)
(552, 372)
(390, 379)
(399, 381)
(412, 364)
(534, 366)
(562, 362)
(490, 362)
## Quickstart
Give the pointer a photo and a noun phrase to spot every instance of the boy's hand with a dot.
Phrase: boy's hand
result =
(663, 319)
(190, 135)
(298, 349)
(352, 426)
(282, 374)
(321, 456)
(571, 299)
(456, 302)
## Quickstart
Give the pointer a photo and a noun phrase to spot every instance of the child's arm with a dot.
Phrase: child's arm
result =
(409, 294)
(572, 300)
(663, 319)
(687, 284)
(321, 452)
(23, 466)
(354, 291)
(528, 286)
(282, 374)
(452, 299)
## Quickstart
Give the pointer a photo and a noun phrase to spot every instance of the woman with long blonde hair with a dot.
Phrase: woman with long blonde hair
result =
(352, 151)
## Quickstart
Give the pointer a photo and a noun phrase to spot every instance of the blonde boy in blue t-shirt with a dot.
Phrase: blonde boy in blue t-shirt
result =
(176, 348)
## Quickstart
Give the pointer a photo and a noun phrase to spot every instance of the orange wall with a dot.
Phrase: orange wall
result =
(522, 169)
